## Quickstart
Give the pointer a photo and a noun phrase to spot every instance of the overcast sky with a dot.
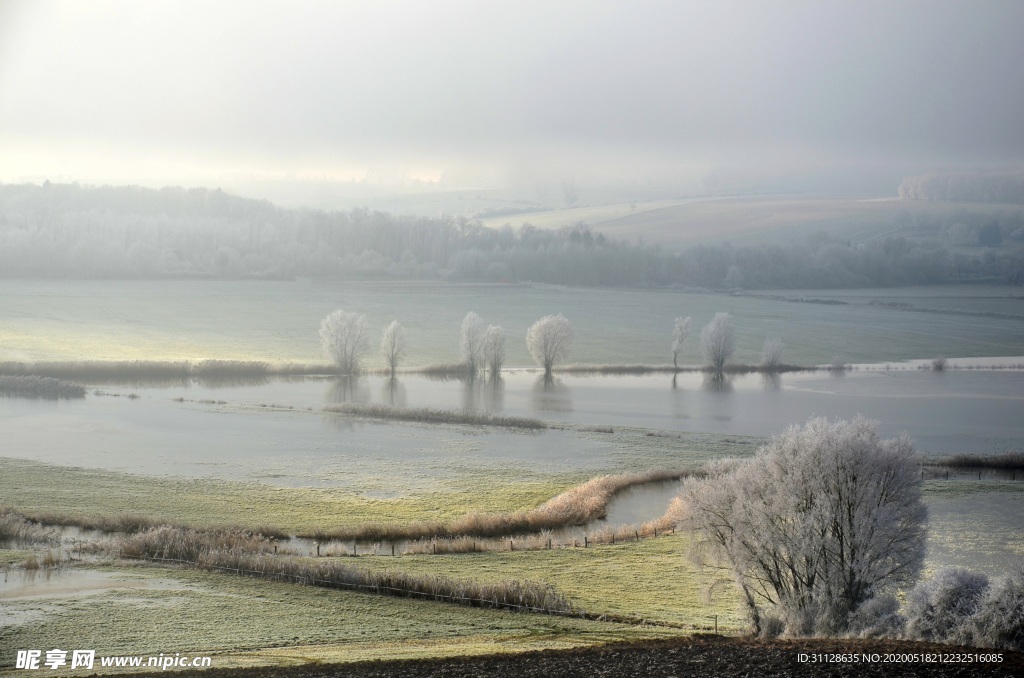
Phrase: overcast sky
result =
(189, 91)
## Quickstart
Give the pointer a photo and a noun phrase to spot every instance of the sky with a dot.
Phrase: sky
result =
(497, 92)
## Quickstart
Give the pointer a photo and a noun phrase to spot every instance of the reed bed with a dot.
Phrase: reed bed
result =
(538, 542)
(161, 370)
(576, 506)
(242, 554)
(129, 523)
(1007, 461)
(426, 415)
(442, 371)
(669, 369)
(48, 388)
(17, 527)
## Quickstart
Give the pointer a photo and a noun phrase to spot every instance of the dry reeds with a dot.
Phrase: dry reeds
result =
(242, 554)
(17, 527)
(1007, 461)
(39, 387)
(161, 370)
(426, 415)
(576, 506)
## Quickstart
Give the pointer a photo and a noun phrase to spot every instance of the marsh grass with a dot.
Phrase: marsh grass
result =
(426, 415)
(49, 388)
(249, 555)
(19, 528)
(162, 370)
(576, 506)
(669, 369)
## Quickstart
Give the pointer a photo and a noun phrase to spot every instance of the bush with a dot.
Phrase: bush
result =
(878, 618)
(939, 609)
(999, 620)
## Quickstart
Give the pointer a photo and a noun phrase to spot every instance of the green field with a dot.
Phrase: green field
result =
(751, 219)
(148, 610)
(278, 321)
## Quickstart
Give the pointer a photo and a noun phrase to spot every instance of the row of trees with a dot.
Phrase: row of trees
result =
(129, 232)
(345, 342)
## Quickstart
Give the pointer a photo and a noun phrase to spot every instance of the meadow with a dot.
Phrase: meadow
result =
(278, 321)
(749, 219)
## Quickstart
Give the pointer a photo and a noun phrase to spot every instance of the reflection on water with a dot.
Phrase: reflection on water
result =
(347, 390)
(718, 382)
(494, 395)
(394, 394)
(772, 381)
(550, 394)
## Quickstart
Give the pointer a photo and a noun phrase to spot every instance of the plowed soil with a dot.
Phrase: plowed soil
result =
(706, 655)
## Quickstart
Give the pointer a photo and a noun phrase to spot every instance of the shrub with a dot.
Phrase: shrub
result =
(939, 608)
(999, 620)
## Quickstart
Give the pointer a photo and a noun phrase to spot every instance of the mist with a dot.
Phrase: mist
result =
(508, 94)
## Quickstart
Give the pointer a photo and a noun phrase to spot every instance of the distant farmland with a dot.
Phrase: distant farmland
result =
(681, 223)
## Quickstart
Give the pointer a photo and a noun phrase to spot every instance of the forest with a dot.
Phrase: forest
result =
(129, 232)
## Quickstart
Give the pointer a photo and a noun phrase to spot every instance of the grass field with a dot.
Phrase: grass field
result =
(278, 321)
(148, 610)
(748, 220)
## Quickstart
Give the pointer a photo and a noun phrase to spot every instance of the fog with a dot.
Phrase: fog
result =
(506, 93)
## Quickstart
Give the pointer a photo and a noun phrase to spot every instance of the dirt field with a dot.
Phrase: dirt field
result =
(697, 656)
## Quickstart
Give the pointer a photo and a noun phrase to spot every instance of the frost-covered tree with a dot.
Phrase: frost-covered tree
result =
(821, 520)
(771, 354)
(393, 345)
(717, 341)
(343, 339)
(549, 339)
(471, 340)
(494, 349)
(679, 334)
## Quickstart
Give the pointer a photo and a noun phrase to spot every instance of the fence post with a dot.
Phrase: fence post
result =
(716, 624)
(317, 549)
(511, 547)
(586, 542)
(637, 532)
(392, 548)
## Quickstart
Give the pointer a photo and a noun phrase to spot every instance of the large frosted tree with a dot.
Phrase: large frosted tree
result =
(471, 342)
(717, 341)
(822, 519)
(393, 345)
(549, 339)
(680, 332)
(344, 341)
(494, 349)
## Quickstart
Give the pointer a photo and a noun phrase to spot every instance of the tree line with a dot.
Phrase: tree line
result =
(70, 231)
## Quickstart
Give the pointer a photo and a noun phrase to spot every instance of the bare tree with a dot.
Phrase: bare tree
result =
(771, 354)
(471, 342)
(823, 518)
(679, 334)
(343, 339)
(549, 339)
(393, 345)
(494, 349)
(717, 341)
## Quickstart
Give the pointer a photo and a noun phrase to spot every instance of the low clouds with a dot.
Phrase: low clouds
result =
(190, 89)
